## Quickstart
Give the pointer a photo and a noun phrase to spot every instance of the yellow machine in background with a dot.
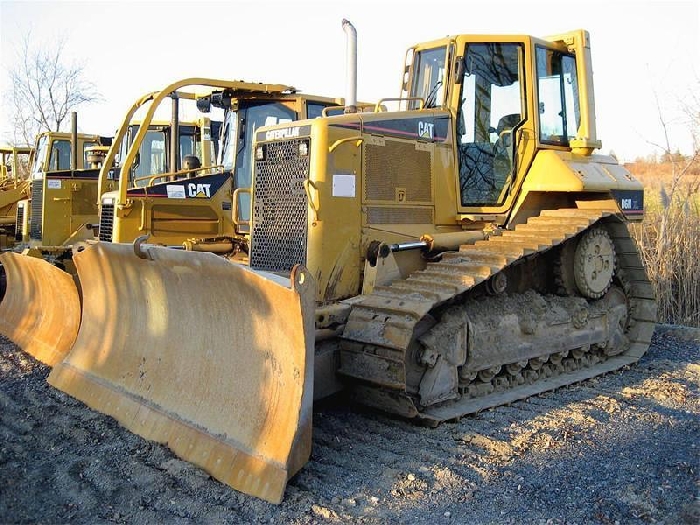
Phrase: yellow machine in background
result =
(15, 164)
(40, 309)
(64, 188)
(63, 199)
(465, 251)
(175, 192)
(203, 204)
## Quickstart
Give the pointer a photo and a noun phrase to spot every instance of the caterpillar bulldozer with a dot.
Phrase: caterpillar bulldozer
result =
(62, 199)
(63, 204)
(174, 192)
(14, 188)
(466, 250)
(203, 205)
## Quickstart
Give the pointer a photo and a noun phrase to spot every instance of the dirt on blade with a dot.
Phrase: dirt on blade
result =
(618, 448)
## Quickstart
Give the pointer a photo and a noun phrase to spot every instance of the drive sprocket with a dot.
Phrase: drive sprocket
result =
(594, 263)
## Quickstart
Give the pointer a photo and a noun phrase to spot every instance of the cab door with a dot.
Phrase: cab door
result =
(491, 110)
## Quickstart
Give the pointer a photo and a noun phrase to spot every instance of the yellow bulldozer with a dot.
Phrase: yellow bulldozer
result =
(41, 312)
(206, 206)
(466, 250)
(64, 188)
(15, 162)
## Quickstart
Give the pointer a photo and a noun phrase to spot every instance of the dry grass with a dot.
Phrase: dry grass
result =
(669, 238)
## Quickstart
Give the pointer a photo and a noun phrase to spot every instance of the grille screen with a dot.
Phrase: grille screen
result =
(19, 220)
(280, 208)
(37, 208)
(106, 222)
(397, 166)
(386, 215)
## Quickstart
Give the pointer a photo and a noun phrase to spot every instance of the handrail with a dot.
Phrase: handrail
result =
(378, 107)
(153, 178)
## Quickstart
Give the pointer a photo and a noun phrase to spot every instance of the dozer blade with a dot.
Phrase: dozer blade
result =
(207, 356)
(40, 311)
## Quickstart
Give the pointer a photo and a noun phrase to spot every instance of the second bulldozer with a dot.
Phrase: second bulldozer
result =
(15, 162)
(465, 251)
(192, 191)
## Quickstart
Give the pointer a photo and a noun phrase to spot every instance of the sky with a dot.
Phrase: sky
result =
(646, 55)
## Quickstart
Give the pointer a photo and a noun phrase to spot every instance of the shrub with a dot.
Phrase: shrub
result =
(669, 237)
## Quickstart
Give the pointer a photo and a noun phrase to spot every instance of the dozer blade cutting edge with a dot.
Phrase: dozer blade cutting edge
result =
(205, 355)
(40, 311)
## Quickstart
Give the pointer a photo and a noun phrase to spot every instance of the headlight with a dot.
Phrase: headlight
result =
(303, 149)
(109, 201)
(260, 152)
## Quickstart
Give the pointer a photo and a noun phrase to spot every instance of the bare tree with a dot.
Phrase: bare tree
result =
(691, 108)
(45, 90)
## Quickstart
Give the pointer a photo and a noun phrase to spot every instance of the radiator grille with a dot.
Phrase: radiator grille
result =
(37, 209)
(398, 167)
(403, 215)
(280, 222)
(19, 220)
(106, 222)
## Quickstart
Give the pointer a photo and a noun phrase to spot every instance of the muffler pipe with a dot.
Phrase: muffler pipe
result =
(175, 135)
(73, 140)
(351, 67)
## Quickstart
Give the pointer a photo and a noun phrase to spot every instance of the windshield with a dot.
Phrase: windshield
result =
(41, 154)
(428, 73)
(229, 133)
(154, 153)
(250, 119)
(152, 158)
(60, 155)
(559, 111)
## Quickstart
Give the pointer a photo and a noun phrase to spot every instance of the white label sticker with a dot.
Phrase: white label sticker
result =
(343, 185)
(53, 184)
(175, 192)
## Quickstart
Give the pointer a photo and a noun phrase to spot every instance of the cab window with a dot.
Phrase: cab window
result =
(250, 119)
(557, 86)
(491, 108)
(315, 110)
(428, 75)
(60, 155)
(40, 156)
(152, 157)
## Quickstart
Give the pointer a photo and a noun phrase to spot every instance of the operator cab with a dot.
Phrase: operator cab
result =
(153, 157)
(238, 133)
(484, 83)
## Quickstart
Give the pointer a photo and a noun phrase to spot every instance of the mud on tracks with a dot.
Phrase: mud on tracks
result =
(618, 448)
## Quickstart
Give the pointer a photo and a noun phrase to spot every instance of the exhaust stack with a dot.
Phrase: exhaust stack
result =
(73, 140)
(175, 134)
(351, 75)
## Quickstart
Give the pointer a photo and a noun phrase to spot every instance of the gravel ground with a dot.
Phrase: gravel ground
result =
(622, 448)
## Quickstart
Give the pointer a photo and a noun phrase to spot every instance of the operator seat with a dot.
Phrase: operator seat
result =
(506, 124)
(191, 162)
(503, 152)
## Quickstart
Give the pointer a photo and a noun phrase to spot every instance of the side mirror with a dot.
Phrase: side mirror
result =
(404, 84)
(459, 70)
(113, 174)
(204, 105)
